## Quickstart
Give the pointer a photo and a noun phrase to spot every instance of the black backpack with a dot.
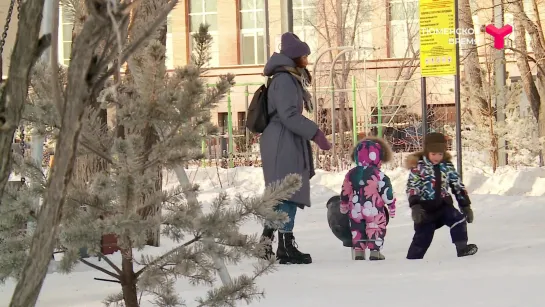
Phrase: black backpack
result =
(258, 116)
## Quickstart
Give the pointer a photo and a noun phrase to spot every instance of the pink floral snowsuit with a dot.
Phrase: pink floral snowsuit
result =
(365, 192)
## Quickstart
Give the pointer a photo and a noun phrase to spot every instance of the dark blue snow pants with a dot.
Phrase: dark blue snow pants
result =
(423, 232)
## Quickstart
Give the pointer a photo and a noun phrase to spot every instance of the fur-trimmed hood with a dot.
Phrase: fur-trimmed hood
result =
(372, 151)
(412, 160)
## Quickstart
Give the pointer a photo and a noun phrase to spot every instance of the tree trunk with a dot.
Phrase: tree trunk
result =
(128, 279)
(473, 73)
(88, 164)
(141, 15)
(538, 20)
(534, 90)
(154, 237)
(521, 56)
(494, 144)
(541, 125)
(30, 283)
(26, 52)
(470, 55)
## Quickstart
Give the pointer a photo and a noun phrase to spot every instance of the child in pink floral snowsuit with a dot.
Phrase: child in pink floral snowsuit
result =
(365, 192)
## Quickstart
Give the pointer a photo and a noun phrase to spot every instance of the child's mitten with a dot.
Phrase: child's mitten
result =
(468, 213)
(418, 214)
(392, 210)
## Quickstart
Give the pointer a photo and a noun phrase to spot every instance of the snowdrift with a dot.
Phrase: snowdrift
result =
(506, 181)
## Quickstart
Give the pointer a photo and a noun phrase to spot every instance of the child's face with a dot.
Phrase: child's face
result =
(435, 157)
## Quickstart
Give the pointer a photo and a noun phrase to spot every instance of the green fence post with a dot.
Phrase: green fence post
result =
(379, 108)
(230, 129)
(354, 113)
(203, 149)
(246, 131)
(333, 121)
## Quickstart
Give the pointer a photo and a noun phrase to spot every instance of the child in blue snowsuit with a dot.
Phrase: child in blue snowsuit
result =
(431, 175)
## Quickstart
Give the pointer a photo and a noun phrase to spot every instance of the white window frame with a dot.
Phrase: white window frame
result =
(303, 30)
(255, 32)
(214, 49)
(64, 59)
(404, 25)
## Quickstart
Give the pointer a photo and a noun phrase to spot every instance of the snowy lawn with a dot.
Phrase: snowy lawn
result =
(507, 271)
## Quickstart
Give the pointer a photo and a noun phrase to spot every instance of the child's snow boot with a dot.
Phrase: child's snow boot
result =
(287, 252)
(358, 254)
(376, 255)
(463, 249)
(268, 235)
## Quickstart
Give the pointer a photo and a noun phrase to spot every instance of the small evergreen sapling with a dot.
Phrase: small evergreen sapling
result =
(178, 107)
(202, 41)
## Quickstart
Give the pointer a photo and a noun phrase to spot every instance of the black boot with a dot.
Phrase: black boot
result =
(463, 249)
(267, 235)
(287, 252)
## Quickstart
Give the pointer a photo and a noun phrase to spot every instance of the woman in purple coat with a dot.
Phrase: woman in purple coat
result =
(285, 143)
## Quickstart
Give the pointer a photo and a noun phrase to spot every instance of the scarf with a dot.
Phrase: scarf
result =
(303, 76)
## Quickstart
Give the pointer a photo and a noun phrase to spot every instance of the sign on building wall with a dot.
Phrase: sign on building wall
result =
(437, 38)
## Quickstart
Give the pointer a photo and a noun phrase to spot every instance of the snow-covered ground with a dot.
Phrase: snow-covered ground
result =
(507, 271)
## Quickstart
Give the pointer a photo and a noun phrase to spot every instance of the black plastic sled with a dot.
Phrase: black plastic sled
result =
(338, 222)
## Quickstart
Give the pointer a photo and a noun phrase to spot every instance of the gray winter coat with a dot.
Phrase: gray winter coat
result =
(285, 143)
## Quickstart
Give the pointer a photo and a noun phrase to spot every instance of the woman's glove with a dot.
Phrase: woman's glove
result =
(320, 140)
(418, 214)
(468, 213)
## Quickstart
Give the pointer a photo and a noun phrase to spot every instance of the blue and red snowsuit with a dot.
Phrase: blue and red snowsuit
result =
(428, 186)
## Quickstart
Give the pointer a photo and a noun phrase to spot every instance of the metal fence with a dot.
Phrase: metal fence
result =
(381, 109)
(376, 110)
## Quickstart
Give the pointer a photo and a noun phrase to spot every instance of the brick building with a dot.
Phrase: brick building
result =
(238, 28)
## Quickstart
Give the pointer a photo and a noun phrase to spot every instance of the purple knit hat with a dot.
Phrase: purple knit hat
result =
(293, 47)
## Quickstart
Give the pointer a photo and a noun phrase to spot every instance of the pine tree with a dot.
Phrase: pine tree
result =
(178, 107)
(203, 43)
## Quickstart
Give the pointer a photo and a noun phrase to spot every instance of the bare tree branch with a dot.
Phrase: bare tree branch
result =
(103, 270)
(27, 50)
(110, 263)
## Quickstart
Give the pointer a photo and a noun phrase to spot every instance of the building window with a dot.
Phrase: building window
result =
(304, 24)
(223, 122)
(442, 114)
(252, 29)
(205, 11)
(404, 28)
(361, 23)
(241, 118)
(169, 61)
(66, 19)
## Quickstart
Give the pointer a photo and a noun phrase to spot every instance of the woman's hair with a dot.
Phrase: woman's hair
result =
(309, 76)
(298, 62)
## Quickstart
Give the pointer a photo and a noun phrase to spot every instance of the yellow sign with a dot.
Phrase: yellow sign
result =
(437, 38)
